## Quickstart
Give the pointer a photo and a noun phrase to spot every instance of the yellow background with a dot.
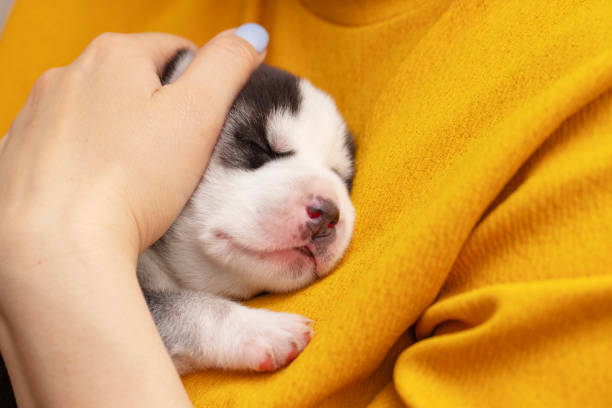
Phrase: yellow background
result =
(483, 191)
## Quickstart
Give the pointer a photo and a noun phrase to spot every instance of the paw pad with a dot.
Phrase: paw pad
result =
(267, 364)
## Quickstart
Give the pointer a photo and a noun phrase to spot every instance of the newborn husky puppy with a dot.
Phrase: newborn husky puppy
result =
(272, 213)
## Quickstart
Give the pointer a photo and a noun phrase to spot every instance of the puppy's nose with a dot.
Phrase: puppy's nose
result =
(324, 216)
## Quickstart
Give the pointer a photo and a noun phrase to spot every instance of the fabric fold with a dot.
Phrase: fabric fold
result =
(482, 193)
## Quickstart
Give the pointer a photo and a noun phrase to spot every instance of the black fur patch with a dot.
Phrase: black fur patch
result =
(349, 143)
(171, 65)
(244, 143)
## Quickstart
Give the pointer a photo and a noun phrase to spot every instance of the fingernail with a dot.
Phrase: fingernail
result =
(255, 34)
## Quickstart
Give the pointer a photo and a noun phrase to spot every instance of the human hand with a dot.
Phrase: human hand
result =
(103, 153)
(95, 168)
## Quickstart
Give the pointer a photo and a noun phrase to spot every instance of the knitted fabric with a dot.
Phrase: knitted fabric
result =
(480, 273)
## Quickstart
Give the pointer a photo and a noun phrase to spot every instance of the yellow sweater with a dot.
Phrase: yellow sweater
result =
(480, 274)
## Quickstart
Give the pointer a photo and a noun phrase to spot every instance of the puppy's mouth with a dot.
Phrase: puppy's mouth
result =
(303, 250)
(308, 252)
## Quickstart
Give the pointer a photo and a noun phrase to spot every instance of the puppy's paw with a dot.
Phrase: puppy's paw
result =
(266, 340)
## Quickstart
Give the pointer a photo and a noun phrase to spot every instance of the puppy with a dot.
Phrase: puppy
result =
(272, 213)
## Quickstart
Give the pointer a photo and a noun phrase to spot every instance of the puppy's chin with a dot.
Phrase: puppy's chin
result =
(275, 270)
(282, 271)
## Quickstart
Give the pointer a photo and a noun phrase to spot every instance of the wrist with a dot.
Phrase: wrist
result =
(40, 256)
(29, 239)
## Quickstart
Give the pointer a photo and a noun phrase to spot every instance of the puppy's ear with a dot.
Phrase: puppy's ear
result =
(176, 66)
(351, 147)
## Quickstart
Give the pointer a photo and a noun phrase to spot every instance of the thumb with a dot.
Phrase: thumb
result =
(218, 72)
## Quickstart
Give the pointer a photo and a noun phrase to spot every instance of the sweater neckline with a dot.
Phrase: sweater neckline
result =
(366, 12)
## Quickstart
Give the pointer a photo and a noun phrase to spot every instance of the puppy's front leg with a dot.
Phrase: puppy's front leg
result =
(205, 331)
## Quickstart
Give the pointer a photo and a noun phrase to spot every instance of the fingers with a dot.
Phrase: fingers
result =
(142, 55)
(160, 48)
(218, 71)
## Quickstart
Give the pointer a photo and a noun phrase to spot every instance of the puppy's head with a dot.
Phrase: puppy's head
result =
(273, 207)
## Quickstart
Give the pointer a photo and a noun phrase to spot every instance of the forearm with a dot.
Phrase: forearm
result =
(90, 342)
